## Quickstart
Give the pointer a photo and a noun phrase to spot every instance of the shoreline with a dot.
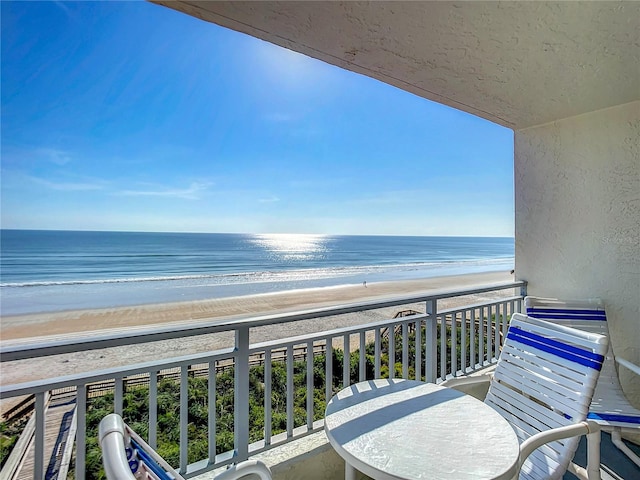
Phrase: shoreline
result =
(61, 297)
(20, 328)
(37, 328)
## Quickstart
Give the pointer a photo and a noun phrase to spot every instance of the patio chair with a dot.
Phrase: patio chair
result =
(542, 385)
(126, 456)
(609, 406)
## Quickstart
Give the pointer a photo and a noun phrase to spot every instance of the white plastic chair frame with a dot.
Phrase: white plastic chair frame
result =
(126, 456)
(610, 408)
(542, 385)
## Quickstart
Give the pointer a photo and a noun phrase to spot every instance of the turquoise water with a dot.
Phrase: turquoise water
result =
(44, 271)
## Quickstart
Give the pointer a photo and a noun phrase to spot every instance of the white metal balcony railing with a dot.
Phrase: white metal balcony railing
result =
(431, 345)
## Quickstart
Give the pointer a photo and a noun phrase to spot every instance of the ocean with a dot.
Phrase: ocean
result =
(47, 271)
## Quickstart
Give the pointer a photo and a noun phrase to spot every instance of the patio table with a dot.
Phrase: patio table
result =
(404, 429)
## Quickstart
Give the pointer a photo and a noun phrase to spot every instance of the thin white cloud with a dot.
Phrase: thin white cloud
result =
(54, 155)
(271, 199)
(67, 186)
(190, 193)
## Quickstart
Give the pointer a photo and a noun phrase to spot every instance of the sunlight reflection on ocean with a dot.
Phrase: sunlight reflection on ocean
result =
(293, 247)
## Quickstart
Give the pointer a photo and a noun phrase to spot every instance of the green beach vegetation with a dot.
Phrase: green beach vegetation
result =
(9, 434)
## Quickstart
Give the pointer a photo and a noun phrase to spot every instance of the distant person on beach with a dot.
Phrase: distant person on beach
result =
(365, 284)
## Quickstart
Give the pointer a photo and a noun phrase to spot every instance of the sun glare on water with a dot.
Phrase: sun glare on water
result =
(293, 246)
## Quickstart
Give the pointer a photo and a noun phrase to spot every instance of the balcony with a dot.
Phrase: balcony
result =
(265, 398)
(573, 105)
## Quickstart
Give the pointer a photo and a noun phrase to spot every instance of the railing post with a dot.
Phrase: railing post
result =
(310, 396)
(241, 395)
(153, 409)
(184, 418)
(328, 373)
(346, 361)
(81, 431)
(418, 340)
(211, 405)
(290, 392)
(118, 396)
(523, 290)
(38, 465)
(431, 349)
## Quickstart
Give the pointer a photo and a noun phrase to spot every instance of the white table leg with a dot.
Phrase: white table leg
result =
(349, 472)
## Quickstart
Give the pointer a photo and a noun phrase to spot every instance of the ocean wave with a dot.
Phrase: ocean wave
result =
(273, 275)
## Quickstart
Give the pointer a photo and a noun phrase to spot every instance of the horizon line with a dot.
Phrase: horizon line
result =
(250, 233)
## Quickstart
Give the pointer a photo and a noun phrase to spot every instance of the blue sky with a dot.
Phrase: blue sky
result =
(131, 116)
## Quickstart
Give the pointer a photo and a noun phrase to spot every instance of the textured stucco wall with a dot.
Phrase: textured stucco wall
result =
(577, 184)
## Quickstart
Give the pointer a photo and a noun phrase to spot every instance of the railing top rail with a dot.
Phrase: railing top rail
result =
(167, 332)
(480, 305)
(336, 332)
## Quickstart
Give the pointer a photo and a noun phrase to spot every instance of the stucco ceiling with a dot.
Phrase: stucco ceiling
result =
(518, 64)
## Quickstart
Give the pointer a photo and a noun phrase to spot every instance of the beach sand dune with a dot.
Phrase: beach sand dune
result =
(36, 328)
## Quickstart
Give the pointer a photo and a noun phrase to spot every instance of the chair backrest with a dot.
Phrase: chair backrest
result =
(124, 454)
(544, 378)
(588, 315)
(609, 405)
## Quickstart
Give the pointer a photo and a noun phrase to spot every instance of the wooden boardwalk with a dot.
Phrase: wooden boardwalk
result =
(58, 420)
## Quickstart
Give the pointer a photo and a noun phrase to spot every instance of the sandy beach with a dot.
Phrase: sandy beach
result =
(37, 328)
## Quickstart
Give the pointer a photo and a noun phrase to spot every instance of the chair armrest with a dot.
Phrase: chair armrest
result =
(111, 437)
(626, 363)
(248, 467)
(462, 381)
(589, 428)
